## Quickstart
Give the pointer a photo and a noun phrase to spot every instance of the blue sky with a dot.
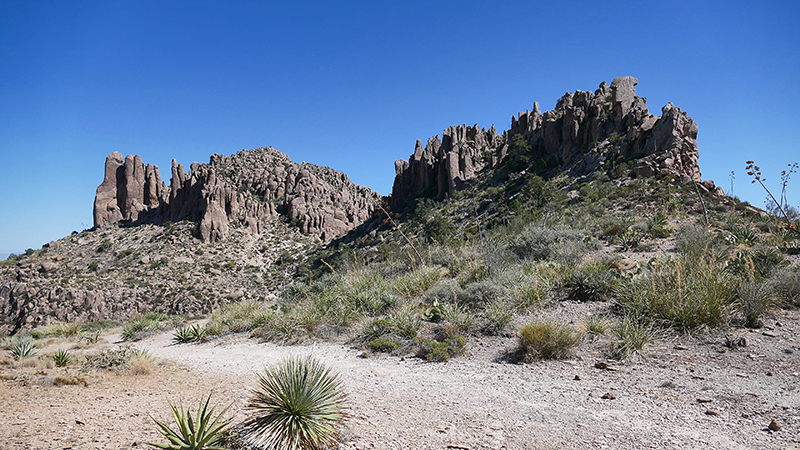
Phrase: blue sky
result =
(352, 85)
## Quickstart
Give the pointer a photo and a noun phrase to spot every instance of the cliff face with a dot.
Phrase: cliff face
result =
(583, 132)
(243, 189)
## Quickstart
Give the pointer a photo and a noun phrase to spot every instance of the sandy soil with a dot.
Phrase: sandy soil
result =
(689, 392)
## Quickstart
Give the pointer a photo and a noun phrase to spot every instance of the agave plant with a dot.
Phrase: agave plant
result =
(200, 434)
(296, 406)
(185, 335)
(62, 358)
(23, 349)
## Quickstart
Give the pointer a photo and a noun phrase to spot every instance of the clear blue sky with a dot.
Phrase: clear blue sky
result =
(352, 85)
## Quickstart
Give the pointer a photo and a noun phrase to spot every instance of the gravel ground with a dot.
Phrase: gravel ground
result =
(688, 392)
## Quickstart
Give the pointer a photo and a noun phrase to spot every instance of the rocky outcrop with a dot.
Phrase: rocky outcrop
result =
(585, 131)
(243, 189)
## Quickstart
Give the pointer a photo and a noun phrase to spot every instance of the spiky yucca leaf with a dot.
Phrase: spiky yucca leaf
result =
(200, 434)
(62, 358)
(296, 406)
(23, 349)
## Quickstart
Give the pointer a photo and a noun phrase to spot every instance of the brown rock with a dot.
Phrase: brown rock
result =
(243, 189)
(774, 425)
(577, 133)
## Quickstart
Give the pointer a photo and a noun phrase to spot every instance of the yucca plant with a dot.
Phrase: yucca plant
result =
(62, 358)
(203, 433)
(297, 406)
(23, 349)
(185, 335)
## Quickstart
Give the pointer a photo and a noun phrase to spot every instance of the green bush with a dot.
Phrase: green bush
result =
(759, 262)
(149, 323)
(441, 351)
(754, 299)
(684, 293)
(497, 316)
(384, 345)
(457, 316)
(632, 335)
(405, 322)
(414, 284)
(695, 241)
(546, 340)
(246, 315)
(297, 405)
(785, 285)
(539, 244)
(591, 282)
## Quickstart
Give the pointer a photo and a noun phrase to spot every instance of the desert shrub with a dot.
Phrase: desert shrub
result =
(115, 359)
(538, 191)
(496, 317)
(149, 323)
(415, 284)
(760, 262)
(298, 404)
(140, 363)
(405, 322)
(282, 328)
(443, 292)
(741, 235)
(441, 351)
(539, 243)
(546, 340)
(69, 380)
(632, 335)
(591, 282)
(238, 317)
(371, 301)
(695, 241)
(597, 325)
(384, 345)
(459, 317)
(58, 330)
(785, 285)
(478, 295)
(754, 299)
(682, 292)
(438, 229)
(204, 432)
(375, 329)
(530, 292)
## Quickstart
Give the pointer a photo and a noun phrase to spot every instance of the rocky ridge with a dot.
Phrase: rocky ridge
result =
(585, 132)
(246, 189)
(118, 273)
(258, 215)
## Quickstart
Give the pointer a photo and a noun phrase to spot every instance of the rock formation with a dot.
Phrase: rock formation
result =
(243, 190)
(583, 132)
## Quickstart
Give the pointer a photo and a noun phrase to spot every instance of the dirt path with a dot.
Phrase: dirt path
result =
(687, 395)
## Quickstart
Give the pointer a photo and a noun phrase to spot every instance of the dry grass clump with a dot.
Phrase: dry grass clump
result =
(33, 362)
(546, 340)
(141, 364)
(69, 380)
